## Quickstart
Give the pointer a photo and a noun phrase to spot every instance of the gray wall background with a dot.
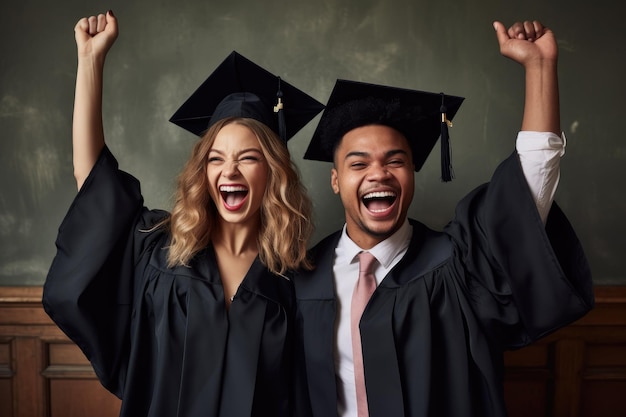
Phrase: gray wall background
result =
(166, 49)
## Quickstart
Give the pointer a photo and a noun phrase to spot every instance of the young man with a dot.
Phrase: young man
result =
(442, 306)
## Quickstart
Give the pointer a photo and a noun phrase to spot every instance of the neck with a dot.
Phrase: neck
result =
(365, 238)
(236, 239)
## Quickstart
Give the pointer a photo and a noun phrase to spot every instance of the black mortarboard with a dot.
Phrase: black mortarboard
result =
(240, 88)
(422, 117)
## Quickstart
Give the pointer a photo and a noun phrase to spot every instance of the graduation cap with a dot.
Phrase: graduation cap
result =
(422, 117)
(240, 88)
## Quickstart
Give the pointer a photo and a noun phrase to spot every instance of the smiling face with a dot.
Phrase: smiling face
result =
(237, 174)
(373, 175)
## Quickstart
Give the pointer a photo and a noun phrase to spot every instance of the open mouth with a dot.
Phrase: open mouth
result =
(233, 195)
(379, 201)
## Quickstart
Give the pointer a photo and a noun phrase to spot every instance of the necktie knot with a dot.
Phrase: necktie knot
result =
(366, 263)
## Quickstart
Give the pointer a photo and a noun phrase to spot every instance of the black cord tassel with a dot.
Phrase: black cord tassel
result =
(446, 153)
(278, 108)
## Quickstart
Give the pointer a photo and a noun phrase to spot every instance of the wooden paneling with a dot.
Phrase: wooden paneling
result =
(6, 375)
(43, 374)
(579, 371)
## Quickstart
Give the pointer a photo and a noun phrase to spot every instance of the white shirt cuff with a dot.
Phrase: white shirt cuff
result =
(540, 155)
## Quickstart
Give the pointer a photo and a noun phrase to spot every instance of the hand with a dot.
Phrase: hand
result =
(95, 34)
(526, 42)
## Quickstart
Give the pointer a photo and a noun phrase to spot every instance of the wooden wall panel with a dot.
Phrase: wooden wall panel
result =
(94, 400)
(579, 371)
(71, 376)
(6, 378)
(42, 373)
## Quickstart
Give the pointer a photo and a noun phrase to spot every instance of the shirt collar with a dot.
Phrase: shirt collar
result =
(385, 252)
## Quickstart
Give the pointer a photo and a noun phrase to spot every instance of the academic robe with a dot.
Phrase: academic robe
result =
(161, 338)
(434, 331)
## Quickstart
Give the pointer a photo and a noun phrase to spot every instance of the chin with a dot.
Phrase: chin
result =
(379, 230)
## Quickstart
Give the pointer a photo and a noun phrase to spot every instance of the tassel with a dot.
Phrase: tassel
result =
(446, 153)
(278, 108)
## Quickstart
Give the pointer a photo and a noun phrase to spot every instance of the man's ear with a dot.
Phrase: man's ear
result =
(334, 183)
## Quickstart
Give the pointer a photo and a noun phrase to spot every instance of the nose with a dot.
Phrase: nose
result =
(378, 172)
(231, 169)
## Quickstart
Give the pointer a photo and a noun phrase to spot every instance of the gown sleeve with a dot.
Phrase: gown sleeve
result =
(524, 280)
(89, 288)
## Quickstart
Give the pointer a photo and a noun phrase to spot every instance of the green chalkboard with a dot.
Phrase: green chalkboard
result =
(166, 49)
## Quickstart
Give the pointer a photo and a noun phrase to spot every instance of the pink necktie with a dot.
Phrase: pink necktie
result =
(363, 290)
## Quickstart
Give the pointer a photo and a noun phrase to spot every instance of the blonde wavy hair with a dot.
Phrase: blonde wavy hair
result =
(285, 211)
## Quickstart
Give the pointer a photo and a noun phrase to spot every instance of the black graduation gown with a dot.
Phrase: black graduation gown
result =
(161, 339)
(434, 332)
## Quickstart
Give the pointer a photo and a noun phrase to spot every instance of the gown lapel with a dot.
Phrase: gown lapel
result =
(382, 375)
(222, 347)
(205, 345)
(383, 378)
(247, 324)
(317, 308)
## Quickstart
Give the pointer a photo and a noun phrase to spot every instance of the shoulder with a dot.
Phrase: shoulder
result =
(325, 247)
(151, 231)
(428, 250)
(153, 220)
(424, 237)
(318, 282)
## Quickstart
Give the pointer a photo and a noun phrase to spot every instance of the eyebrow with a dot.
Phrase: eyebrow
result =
(238, 153)
(388, 154)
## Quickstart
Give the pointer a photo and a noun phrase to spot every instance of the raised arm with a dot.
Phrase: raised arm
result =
(538, 145)
(94, 37)
(534, 47)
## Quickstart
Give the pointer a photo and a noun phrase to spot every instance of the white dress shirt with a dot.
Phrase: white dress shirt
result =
(539, 154)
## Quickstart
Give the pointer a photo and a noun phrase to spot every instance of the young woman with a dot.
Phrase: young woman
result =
(188, 313)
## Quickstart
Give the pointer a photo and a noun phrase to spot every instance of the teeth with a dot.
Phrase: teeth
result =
(232, 188)
(380, 194)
